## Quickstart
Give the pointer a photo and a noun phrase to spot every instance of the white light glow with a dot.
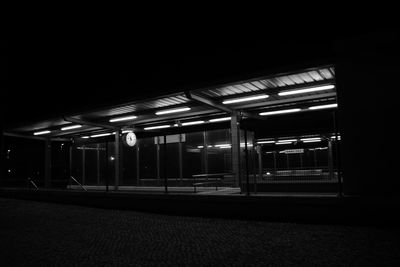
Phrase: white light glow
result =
(220, 119)
(172, 111)
(244, 99)
(126, 131)
(307, 90)
(157, 127)
(324, 106)
(222, 145)
(266, 142)
(292, 151)
(310, 139)
(283, 143)
(192, 123)
(243, 145)
(280, 111)
(101, 135)
(287, 140)
(71, 127)
(42, 132)
(200, 146)
(127, 118)
(85, 137)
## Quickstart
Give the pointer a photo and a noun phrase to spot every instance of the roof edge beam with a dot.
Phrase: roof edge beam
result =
(36, 137)
(91, 123)
(209, 102)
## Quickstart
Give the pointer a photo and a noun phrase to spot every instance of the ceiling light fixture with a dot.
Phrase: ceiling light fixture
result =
(324, 106)
(244, 99)
(127, 118)
(156, 127)
(279, 112)
(42, 132)
(71, 127)
(307, 90)
(172, 111)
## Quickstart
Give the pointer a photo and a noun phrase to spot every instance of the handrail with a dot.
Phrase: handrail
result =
(78, 183)
(33, 183)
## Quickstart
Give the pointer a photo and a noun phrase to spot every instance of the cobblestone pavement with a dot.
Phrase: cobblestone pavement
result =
(47, 234)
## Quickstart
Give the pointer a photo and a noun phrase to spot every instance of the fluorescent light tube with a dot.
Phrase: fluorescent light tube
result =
(100, 135)
(42, 132)
(266, 142)
(312, 141)
(307, 90)
(220, 119)
(283, 143)
(172, 111)
(85, 137)
(287, 140)
(244, 99)
(324, 106)
(192, 123)
(127, 118)
(311, 138)
(280, 111)
(222, 145)
(157, 127)
(71, 127)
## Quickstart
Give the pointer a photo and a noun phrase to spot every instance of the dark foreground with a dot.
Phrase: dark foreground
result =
(46, 234)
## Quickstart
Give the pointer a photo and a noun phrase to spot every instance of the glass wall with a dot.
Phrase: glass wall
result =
(193, 155)
(129, 165)
(219, 151)
(149, 173)
(146, 164)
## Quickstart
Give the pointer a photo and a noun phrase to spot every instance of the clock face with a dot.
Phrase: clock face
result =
(130, 139)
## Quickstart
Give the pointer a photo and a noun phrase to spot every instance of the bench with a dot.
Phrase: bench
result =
(209, 178)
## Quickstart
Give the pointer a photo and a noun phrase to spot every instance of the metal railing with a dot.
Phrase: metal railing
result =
(33, 183)
(73, 179)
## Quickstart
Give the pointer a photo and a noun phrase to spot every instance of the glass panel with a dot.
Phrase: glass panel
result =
(148, 161)
(192, 156)
(91, 164)
(129, 170)
(219, 151)
(77, 164)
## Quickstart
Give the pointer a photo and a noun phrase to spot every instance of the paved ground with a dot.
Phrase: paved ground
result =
(46, 234)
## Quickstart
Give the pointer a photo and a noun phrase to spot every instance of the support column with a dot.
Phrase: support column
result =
(117, 163)
(260, 165)
(158, 160)
(2, 158)
(137, 162)
(47, 163)
(205, 153)
(165, 164)
(83, 165)
(330, 160)
(70, 166)
(246, 159)
(235, 140)
(180, 160)
(98, 164)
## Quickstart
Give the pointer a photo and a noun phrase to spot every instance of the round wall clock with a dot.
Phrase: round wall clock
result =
(130, 139)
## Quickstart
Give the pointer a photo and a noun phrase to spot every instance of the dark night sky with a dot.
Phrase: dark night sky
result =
(48, 75)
